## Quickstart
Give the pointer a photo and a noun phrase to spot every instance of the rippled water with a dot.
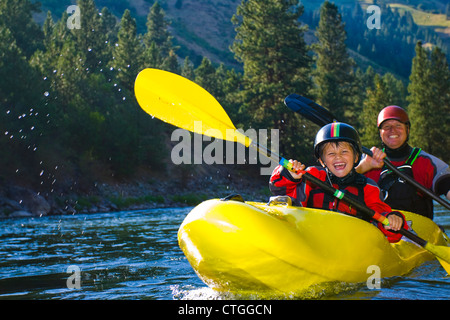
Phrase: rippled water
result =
(135, 255)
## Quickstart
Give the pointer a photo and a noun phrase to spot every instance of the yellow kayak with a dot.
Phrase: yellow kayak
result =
(238, 246)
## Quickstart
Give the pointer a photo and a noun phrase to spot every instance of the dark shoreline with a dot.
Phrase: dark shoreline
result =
(135, 194)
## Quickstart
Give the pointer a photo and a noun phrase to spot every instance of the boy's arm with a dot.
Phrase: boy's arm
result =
(282, 183)
(396, 218)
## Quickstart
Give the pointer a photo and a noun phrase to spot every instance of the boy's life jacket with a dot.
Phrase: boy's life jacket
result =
(306, 194)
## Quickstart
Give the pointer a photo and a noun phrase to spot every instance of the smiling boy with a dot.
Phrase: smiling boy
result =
(338, 149)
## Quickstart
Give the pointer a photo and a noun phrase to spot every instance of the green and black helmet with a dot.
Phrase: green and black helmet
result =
(338, 131)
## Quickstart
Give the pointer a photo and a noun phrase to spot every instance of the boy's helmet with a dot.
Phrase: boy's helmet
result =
(337, 131)
(393, 113)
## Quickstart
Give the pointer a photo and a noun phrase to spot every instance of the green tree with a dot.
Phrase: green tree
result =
(397, 89)
(270, 44)
(170, 63)
(16, 15)
(15, 72)
(205, 77)
(377, 98)
(128, 52)
(158, 35)
(91, 37)
(363, 82)
(429, 101)
(187, 69)
(334, 75)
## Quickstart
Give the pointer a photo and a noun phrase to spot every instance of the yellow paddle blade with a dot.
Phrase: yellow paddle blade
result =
(183, 103)
(442, 253)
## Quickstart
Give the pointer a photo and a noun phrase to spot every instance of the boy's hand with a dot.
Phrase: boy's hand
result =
(395, 222)
(296, 166)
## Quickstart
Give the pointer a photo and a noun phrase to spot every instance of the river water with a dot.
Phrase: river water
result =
(135, 255)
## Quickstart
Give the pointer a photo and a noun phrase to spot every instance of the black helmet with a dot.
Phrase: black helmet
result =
(337, 131)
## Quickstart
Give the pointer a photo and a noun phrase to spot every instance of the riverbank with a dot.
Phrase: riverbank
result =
(172, 188)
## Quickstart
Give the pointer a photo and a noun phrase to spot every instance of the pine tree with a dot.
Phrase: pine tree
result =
(377, 98)
(20, 37)
(158, 34)
(16, 15)
(91, 37)
(205, 77)
(333, 76)
(420, 96)
(170, 63)
(363, 82)
(429, 100)
(128, 52)
(269, 42)
(397, 89)
(439, 134)
(187, 70)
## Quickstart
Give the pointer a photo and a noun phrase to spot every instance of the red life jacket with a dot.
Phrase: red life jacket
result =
(320, 199)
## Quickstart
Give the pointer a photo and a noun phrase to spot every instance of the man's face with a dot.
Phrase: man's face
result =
(393, 133)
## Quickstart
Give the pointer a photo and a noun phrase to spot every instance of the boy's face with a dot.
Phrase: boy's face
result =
(338, 158)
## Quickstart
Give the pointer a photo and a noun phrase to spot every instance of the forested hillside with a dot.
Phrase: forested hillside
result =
(68, 113)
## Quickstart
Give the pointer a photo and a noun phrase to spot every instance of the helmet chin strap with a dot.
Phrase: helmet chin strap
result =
(347, 179)
(332, 178)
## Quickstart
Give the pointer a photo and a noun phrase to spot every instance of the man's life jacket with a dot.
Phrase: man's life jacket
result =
(401, 195)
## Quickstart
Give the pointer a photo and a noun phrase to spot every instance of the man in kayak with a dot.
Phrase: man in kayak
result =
(338, 148)
(431, 172)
